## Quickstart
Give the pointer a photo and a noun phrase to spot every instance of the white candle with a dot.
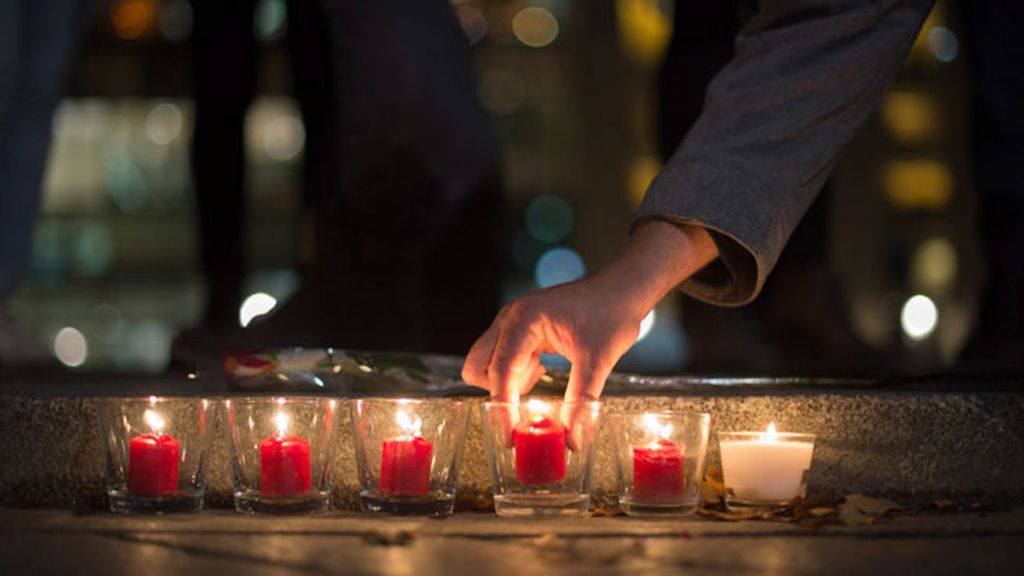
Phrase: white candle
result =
(765, 467)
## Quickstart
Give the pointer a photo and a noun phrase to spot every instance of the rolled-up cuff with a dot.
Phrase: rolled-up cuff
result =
(748, 227)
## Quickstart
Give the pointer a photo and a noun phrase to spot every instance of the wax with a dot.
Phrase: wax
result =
(405, 466)
(658, 471)
(153, 461)
(284, 466)
(540, 451)
(760, 470)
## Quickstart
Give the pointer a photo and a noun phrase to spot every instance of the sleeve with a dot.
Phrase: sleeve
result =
(805, 76)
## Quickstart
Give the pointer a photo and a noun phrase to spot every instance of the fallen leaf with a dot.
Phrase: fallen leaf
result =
(712, 487)
(860, 510)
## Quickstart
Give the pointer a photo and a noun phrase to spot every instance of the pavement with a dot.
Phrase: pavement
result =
(219, 543)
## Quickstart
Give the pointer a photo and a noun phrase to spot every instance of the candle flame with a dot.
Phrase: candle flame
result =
(408, 425)
(655, 427)
(154, 421)
(536, 407)
(770, 435)
(281, 419)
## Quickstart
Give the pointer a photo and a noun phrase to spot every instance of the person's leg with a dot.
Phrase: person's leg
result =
(412, 244)
(992, 42)
(224, 69)
(38, 41)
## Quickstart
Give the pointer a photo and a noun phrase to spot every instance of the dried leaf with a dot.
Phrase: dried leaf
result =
(822, 512)
(860, 510)
(712, 487)
(944, 505)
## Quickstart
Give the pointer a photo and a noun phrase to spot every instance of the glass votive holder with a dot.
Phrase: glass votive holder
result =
(764, 469)
(541, 455)
(155, 453)
(660, 458)
(280, 453)
(408, 452)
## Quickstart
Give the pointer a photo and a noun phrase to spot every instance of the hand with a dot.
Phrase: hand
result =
(592, 322)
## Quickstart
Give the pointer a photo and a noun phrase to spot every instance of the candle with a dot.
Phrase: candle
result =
(765, 468)
(658, 465)
(284, 462)
(405, 461)
(153, 460)
(539, 448)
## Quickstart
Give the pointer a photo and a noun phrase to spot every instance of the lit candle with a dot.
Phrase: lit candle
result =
(658, 465)
(405, 460)
(766, 468)
(284, 462)
(539, 447)
(153, 460)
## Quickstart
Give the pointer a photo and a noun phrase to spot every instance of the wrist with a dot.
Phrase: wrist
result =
(658, 257)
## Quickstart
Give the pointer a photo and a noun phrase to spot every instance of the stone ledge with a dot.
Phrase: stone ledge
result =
(915, 446)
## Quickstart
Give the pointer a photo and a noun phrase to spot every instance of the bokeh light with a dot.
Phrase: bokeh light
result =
(271, 20)
(549, 218)
(645, 28)
(175, 20)
(918, 184)
(919, 317)
(254, 305)
(274, 129)
(943, 43)
(472, 21)
(132, 19)
(163, 123)
(70, 347)
(535, 27)
(558, 266)
(646, 325)
(911, 117)
(934, 265)
(92, 251)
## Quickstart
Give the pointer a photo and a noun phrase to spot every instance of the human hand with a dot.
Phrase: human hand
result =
(591, 322)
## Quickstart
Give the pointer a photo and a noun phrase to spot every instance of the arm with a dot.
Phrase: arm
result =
(805, 77)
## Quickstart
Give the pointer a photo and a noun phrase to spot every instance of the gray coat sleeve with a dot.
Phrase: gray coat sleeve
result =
(805, 76)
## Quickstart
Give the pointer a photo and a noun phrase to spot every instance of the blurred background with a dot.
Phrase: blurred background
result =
(571, 87)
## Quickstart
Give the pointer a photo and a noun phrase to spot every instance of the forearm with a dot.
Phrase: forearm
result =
(658, 256)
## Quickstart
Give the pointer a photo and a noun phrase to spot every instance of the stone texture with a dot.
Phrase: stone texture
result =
(912, 443)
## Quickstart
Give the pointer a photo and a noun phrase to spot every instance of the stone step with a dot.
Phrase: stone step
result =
(915, 442)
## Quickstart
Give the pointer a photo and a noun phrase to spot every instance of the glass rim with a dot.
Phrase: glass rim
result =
(283, 400)
(744, 435)
(671, 413)
(491, 403)
(153, 399)
(413, 401)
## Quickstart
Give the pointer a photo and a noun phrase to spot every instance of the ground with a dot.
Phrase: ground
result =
(220, 543)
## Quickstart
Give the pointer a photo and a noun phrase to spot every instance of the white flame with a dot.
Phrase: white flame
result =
(154, 421)
(655, 427)
(770, 435)
(281, 419)
(536, 406)
(408, 425)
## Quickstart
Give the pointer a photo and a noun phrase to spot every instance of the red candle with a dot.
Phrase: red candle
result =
(540, 451)
(153, 464)
(658, 471)
(284, 463)
(405, 466)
